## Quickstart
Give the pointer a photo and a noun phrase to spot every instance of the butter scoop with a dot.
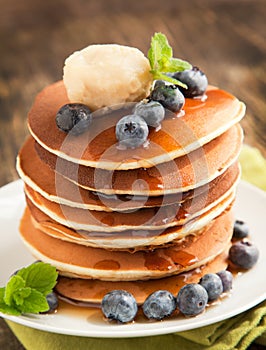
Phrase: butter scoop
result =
(107, 74)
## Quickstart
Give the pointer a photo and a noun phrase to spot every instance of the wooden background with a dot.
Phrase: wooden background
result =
(226, 39)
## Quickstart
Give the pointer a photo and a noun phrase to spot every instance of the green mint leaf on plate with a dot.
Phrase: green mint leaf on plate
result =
(35, 302)
(4, 308)
(14, 284)
(26, 291)
(39, 276)
(20, 295)
(162, 61)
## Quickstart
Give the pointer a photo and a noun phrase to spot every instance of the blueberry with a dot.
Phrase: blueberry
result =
(74, 118)
(158, 83)
(241, 229)
(159, 304)
(119, 305)
(195, 80)
(168, 95)
(192, 299)
(213, 285)
(52, 301)
(227, 279)
(244, 254)
(152, 112)
(132, 131)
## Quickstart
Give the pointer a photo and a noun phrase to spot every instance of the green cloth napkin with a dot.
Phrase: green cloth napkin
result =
(236, 333)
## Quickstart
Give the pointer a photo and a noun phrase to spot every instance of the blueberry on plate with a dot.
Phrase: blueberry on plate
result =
(52, 301)
(131, 131)
(227, 279)
(192, 299)
(152, 112)
(159, 304)
(73, 117)
(195, 80)
(119, 305)
(241, 229)
(168, 95)
(244, 254)
(213, 285)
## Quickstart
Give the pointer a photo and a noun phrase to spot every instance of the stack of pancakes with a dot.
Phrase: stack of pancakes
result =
(142, 219)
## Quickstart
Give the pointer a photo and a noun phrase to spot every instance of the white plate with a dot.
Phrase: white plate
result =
(249, 288)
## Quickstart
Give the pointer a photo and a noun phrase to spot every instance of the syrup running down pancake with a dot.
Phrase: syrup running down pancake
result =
(49, 184)
(84, 292)
(143, 219)
(127, 239)
(80, 261)
(183, 174)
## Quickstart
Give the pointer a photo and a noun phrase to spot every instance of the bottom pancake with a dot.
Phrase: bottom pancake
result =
(84, 292)
(74, 260)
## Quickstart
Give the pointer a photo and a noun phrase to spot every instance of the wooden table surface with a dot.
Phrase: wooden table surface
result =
(226, 39)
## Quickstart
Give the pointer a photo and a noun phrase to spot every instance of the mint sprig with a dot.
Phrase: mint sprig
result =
(162, 61)
(26, 291)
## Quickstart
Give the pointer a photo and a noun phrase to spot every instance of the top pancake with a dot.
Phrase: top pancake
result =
(202, 122)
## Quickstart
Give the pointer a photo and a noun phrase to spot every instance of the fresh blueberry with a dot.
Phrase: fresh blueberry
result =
(227, 279)
(131, 131)
(244, 254)
(192, 299)
(152, 112)
(195, 80)
(158, 83)
(213, 285)
(159, 304)
(241, 229)
(52, 301)
(73, 117)
(119, 305)
(168, 95)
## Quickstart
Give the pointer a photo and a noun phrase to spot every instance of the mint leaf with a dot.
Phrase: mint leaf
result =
(39, 276)
(161, 60)
(163, 76)
(26, 291)
(20, 295)
(2, 293)
(35, 302)
(177, 65)
(4, 308)
(15, 283)
(160, 52)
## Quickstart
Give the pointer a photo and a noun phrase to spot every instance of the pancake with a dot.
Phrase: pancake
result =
(84, 292)
(57, 188)
(202, 122)
(73, 260)
(181, 175)
(143, 219)
(130, 240)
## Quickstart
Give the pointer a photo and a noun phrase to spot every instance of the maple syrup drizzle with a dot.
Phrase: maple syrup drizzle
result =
(107, 265)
